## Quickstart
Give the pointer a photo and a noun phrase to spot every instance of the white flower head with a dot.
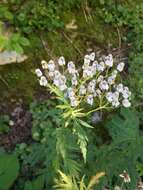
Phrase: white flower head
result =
(111, 80)
(94, 66)
(115, 103)
(92, 56)
(91, 86)
(51, 74)
(70, 92)
(82, 90)
(100, 78)
(63, 79)
(61, 61)
(57, 74)
(119, 87)
(98, 92)
(103, 85)
(74, 80)
(56, 82)
(126, 103)
(88, 72)
(44, 64)
(109, 96)
(109, 60)
(73, 102)
(60, 82)
(100, 66)
(51, 66)
(38, 72)
(120, 66)
(87, 60)
(125, 177)
(63, 87)
(126, 93)
(90, 99)
(43, 81)
(71, 68)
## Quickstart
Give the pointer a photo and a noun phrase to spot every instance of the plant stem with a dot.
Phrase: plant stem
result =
(122, 185)
(97, 109)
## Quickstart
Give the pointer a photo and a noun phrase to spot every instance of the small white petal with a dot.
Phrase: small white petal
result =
(70, 92)
(56, 82)
(100, 66)
(98, 92)
(43, 81)
(51, 66)
(91, 86)
(120, 66)
(62, 87)
(44, 64)
(126, 93)
(88, 72)
(90, 99)
(61, 61)
(119, 87)
(111, 80)
(115, 103)
(92, 56)
(57, 74)
(74, 80)
(109, 96)
(103, 85)
(51, 74)
(126, 103)
(38, 72)
(109, 60)
(100, 78)
(86, 60)
(71, 68)
(82, 90)
(73, 102)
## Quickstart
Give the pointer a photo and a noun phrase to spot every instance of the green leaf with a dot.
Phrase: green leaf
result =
(36, 184)
(85, 124)
(63, 106)
(3, 41)
(82, 138)
(124, 126)
(17, 48)
(24, 41)
(4, 124)
(9, 167)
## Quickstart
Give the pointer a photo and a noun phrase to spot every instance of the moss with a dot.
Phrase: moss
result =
(17, 81)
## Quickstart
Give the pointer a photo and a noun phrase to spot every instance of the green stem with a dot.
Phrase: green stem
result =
(97, 109)
(122, 185)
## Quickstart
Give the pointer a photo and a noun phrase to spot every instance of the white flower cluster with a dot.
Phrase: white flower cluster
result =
(96, 81)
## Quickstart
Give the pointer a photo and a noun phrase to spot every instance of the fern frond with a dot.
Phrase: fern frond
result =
(65, 183)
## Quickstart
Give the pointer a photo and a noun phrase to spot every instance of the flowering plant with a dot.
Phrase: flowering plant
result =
(83, 91)
(94, 87)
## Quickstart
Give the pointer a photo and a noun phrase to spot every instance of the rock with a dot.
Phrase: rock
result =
(8, 57)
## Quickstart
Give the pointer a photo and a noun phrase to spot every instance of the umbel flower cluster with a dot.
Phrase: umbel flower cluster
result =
(95, 82)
